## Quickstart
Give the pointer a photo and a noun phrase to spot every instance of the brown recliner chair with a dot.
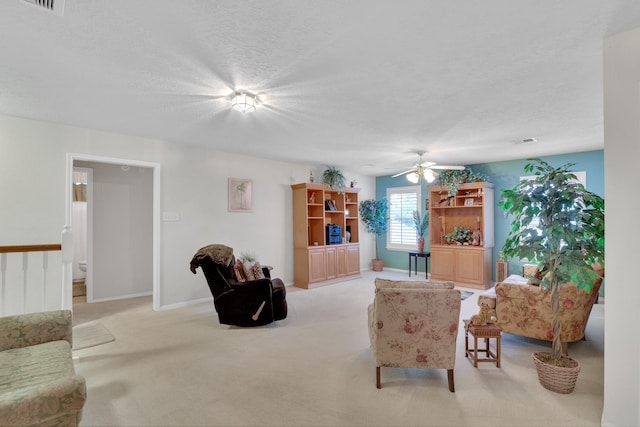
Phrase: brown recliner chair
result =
(251, 303)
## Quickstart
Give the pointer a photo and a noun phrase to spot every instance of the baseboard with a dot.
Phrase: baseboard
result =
(141, 294)
(186, 303)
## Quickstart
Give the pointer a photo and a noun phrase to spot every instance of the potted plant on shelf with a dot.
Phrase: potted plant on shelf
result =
(452, 178)
(421, 224)
(373, 214)
(560, 224)
(459, 235)
(334, 178)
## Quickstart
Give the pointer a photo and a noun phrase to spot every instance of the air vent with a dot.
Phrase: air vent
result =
(54, 6)
(525, 141)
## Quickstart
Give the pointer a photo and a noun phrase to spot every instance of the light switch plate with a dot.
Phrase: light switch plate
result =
(170, 216)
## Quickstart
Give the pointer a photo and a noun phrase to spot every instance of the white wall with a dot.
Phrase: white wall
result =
(621, 156)
(193, 184)
(122, 240)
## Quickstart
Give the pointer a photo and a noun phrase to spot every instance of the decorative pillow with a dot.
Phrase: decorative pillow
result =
(515, 279)
(257, 271)
(247, 267)
(385, 283)
(239, 271)
(531, 271)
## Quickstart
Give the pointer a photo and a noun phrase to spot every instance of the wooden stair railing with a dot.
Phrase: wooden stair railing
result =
(25, 250)
(31, 248)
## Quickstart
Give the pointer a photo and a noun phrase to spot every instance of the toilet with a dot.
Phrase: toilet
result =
(82, 265)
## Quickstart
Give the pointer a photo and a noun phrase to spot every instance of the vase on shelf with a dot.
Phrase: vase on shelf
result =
(420, 244)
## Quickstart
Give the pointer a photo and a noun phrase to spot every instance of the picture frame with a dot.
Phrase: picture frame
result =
(469, 201)
(240, 195)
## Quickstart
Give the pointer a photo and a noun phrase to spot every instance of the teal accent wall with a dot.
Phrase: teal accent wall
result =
(503, 175)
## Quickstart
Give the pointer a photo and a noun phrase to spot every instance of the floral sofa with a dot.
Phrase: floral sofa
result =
(525, 309)
(38, 384)
(414, 324)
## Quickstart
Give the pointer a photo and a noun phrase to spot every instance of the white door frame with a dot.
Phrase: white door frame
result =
(71, 157)
(88, 281)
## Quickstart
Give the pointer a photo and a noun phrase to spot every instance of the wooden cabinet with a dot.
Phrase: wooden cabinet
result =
(353, 260)
(320, 259)
(443, 263)
(332, 263)
(471, 207)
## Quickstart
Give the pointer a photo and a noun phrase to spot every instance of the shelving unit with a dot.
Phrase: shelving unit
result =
(316, 262)
(471, 207)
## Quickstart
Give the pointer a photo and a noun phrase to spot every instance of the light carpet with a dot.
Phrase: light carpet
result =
(85, 336)
(181, 367)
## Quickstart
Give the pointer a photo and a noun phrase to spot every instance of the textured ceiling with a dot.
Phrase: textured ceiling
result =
(357, 84)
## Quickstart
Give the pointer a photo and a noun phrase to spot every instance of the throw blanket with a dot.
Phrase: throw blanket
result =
(220, 254)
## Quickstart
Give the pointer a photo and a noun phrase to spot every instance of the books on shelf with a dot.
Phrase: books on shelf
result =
(330, 205)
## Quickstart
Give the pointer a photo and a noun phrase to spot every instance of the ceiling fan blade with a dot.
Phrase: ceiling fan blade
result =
(427, 164)
(405, 172)
(459, 168)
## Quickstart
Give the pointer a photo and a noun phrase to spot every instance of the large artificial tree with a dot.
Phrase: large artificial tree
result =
(559, 225)
(374, 215)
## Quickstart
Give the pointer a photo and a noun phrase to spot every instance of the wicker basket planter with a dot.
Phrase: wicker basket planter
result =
(378, 264)
(560, 379)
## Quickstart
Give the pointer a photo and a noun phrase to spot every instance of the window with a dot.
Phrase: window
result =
(401, 233)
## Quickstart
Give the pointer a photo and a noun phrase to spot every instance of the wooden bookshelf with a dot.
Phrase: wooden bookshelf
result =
(471, 207)
(316, 261)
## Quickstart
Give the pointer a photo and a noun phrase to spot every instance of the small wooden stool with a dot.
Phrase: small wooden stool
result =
(482, 331)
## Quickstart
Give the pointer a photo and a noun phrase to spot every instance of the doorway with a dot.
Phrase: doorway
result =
(124, 234)
(82, 189)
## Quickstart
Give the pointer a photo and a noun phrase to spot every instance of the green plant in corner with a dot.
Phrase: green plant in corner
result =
(334, 178)
(374, 215)
(557, 222)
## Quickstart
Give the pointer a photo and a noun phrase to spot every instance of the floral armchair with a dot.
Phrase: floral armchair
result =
(414, 324)
(525, 309)
(38, 383)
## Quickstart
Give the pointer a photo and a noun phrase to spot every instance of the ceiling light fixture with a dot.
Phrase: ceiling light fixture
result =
(413, 177)
(427, 173)
(244, 102)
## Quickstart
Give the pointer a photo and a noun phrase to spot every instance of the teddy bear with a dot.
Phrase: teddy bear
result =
(487, 313)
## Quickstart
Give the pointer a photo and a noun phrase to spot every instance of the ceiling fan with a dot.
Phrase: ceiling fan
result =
(425, 170)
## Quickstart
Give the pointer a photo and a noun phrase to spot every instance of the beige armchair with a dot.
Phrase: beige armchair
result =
(414, 324)
(38, 383)
(524, 309)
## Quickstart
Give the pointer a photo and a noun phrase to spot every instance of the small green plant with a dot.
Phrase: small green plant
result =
(334, 178)
(421, 224)
(459, 235)
(248, 256)
(452, 178)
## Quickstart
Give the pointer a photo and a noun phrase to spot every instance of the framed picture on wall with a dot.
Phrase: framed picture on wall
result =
(240, 195)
